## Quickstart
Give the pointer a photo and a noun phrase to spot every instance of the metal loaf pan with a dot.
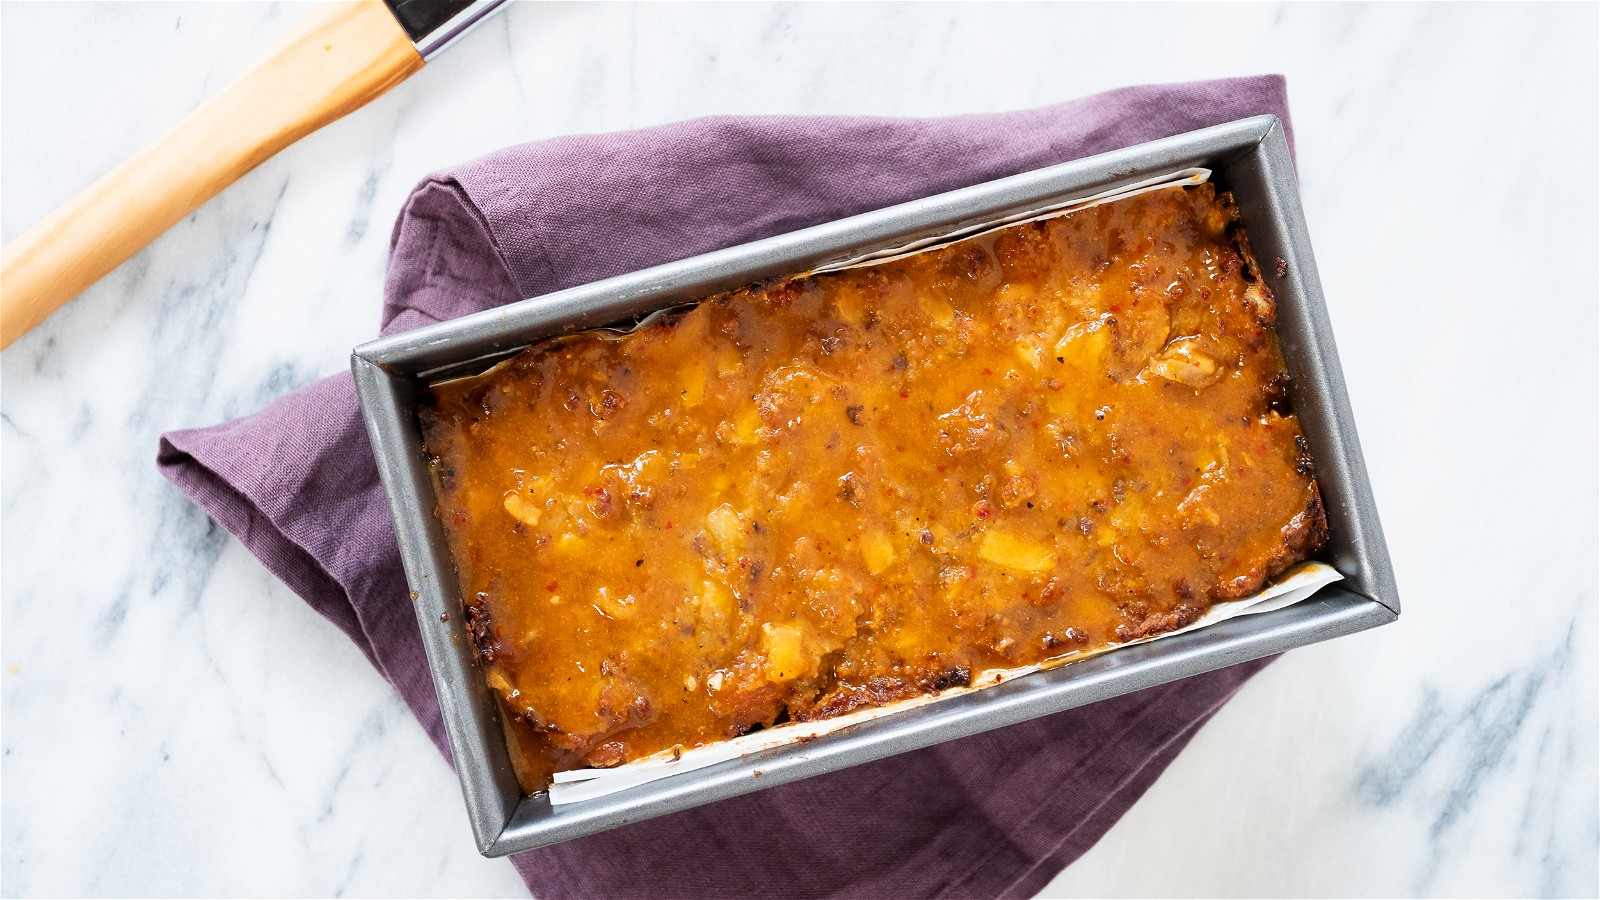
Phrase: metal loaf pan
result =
(1249, 157)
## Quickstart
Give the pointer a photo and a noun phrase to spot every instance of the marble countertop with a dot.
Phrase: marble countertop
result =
(175, 721)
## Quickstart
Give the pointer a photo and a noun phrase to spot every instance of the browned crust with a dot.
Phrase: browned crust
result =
(1304, 535)
(481, 630)
(886, 689)
(1160, 623)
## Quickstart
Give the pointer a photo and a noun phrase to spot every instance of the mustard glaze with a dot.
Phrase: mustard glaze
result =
(807, 496)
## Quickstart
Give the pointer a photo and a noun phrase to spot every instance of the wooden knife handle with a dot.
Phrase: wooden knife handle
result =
(337, 59)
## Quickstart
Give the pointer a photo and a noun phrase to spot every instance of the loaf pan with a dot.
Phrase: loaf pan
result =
(1250, 157)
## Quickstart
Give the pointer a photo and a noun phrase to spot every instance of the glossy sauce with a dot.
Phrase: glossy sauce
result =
(807, 496)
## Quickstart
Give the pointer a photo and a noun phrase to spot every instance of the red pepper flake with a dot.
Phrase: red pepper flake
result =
(940, 469)
(982, 509)
(988, 371)
(551, 587)
(904, 395)
(669, 524)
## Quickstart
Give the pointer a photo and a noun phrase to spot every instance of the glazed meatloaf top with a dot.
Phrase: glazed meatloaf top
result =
(820, 493)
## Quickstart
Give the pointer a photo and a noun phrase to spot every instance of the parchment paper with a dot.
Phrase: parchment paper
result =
(1180, 178)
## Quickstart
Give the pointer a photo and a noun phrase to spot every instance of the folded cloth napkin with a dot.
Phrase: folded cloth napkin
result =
(997, 814)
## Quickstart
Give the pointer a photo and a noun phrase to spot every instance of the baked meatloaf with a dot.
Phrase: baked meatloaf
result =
(831, 491)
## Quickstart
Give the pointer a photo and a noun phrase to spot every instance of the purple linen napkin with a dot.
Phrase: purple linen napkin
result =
(997, 814)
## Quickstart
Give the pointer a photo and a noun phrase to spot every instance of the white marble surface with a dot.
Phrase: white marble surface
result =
(177, 722)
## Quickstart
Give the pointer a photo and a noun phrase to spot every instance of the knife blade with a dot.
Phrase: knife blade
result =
(337, 59)
(434, 25)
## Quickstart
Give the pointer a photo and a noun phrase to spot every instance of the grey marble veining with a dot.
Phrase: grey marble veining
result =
(175, 721)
